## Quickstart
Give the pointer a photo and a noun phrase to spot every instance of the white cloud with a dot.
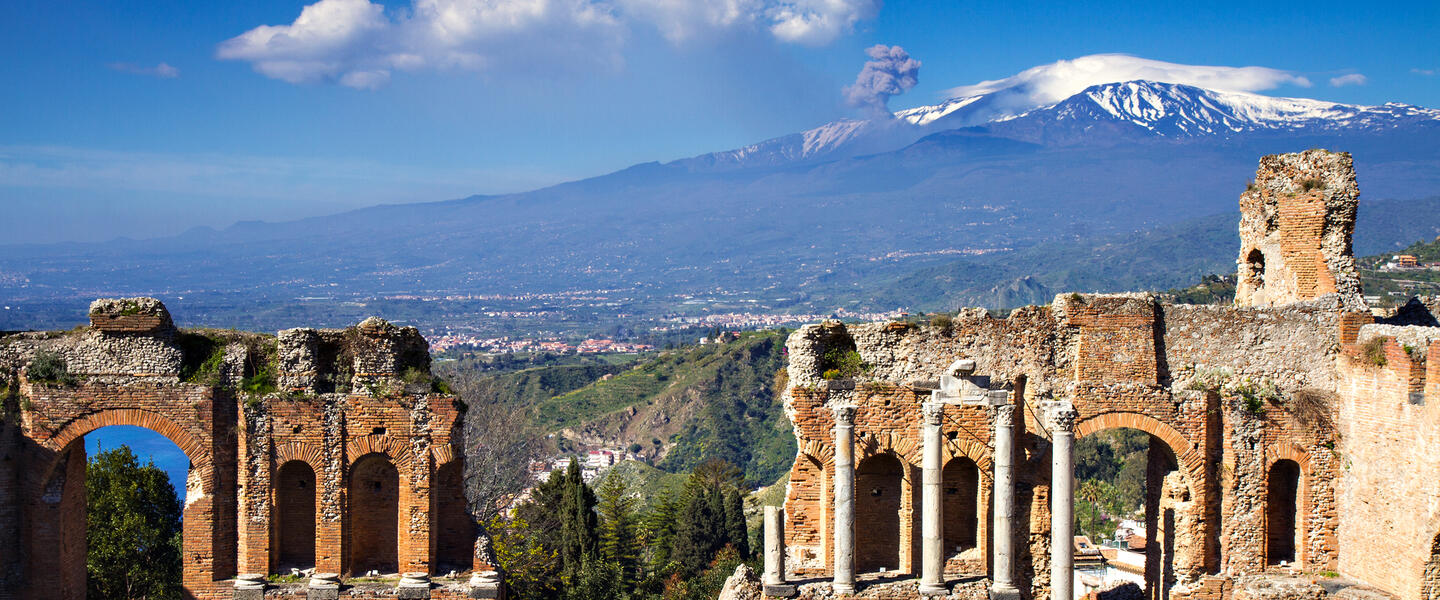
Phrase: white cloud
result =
(1425, 72)
(358, 44)
(1351, 79)
(817, 22)
(1047, 84)
(162, 70)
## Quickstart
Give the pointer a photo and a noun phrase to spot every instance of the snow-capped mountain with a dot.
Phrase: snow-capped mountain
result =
(1174, 110)
(1099, 114)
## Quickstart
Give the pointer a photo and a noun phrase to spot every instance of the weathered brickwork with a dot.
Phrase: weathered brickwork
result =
(1277, 436)
(1297, 217)
(336, 472)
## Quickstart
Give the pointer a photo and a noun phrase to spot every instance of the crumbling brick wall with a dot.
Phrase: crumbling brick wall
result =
(126, 369)
(1297, 218)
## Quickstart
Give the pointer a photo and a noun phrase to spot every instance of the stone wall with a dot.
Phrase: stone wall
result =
(126, 369)
(1290, 426)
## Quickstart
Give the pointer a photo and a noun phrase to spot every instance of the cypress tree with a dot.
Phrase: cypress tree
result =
(737, 532)
(578, 539)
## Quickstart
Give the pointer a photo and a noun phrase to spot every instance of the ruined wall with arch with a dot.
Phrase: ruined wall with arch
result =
(273, 476)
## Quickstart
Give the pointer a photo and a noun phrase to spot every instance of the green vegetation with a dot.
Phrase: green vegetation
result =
(260, 367)
(132, 529)
(203, 356)
(49, 367)
(1110, 480)
(568, 542)
(712, 401)
(842, 364)
(1212, 289)
(1311, 183)
(1255, 395)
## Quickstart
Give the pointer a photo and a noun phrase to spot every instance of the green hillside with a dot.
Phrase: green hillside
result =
(677, 407)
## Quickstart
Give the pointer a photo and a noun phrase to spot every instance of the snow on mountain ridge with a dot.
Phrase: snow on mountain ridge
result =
(1163, 109)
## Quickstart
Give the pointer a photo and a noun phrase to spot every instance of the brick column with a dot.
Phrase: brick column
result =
(844, 576)
(1062, 501)
(932, 563)
(253, 510)
(1003, 578)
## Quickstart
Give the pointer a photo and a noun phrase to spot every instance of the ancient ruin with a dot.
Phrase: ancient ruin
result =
(324, 451)
(1287, 431)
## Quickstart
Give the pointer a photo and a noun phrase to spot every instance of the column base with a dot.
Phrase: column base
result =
(842, 588)
(1008, 592)
(780, 590)
(933, 589)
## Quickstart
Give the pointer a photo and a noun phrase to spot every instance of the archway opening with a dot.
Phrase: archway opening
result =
(960, 503)
(294, 517)
(454, 527)
(374, 515)
(121, 495)
(1129, 500)
(878, 489)
(1255, 268)
(1281, 511)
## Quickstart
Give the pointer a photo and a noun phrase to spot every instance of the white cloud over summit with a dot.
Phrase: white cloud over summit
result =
(1047, 84)
(358, 44)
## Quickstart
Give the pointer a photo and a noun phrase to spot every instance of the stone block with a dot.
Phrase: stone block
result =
(780, 591)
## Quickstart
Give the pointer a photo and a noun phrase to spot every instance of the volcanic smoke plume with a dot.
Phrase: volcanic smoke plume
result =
(889, 72)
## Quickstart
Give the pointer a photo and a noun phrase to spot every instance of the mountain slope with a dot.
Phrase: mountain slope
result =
(793, 234)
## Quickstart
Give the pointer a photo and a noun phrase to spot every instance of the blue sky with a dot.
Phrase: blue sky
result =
(147, 445)
(145, 118)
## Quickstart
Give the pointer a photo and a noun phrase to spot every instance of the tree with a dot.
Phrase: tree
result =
(618, 521)
(579, 541)
(499, 445)
(132, 529)
(739, 534)
(702, 527)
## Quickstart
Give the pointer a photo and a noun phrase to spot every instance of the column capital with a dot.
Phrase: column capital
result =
(1005, 413)
(844, 415)
(1060, 416)
(932, 412)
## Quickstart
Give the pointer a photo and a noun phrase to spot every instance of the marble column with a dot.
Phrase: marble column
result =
(1062, 502)
(1003, 577)
(774, 581)
(844, 576)
(932, 566)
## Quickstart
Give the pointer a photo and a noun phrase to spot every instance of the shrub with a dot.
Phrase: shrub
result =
(1373, 351)
(942, 321)
(49, 367)
(1311, 183)
(842, 364)
(202, 359)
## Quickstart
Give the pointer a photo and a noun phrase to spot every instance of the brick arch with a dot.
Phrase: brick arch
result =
(202, 553)
(818, 451)
(194, 449)
(1185, 452)
(305, 452)
(971, 449)
(397, 452)
(442, 455)
(1287, 451)
(905, 448)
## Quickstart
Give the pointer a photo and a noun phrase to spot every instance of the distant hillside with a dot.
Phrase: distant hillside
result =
(680, 406)
(1168, 256)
